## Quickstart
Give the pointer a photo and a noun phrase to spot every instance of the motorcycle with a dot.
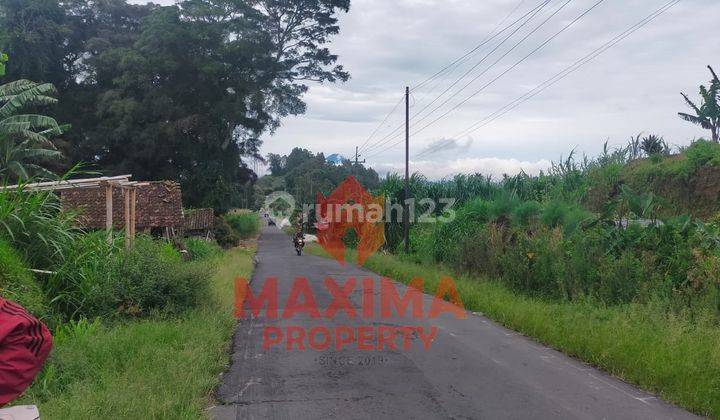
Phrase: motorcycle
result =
(299, 242)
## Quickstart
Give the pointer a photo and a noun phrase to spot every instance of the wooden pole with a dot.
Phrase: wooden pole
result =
(128, 229)
(133, 215)
(109, 211)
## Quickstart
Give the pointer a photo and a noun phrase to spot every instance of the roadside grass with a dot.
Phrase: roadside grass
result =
(157, 368)
(641, 344)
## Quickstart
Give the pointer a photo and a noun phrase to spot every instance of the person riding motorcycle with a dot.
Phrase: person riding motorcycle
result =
(299, 236)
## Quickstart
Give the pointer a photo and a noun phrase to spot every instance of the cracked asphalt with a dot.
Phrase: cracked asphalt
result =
(474, 369)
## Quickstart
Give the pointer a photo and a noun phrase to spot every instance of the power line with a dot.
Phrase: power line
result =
(455, 64)
(560, 75)
(484, 58)
(532, 13)
(517, 63)
(402, 98)
(513, 66)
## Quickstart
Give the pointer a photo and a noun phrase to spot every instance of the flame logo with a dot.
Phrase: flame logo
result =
(350, 207)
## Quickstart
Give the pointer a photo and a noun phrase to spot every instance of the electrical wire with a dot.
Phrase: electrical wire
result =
(557, 77)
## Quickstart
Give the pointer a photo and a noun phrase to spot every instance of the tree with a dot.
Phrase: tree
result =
(24, 138)
(33, 34)
(304, 174)
(178, 92)
(707, 115)
(298, 32)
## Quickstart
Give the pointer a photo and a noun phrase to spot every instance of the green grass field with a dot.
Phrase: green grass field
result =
(160, 369)
(640, 344)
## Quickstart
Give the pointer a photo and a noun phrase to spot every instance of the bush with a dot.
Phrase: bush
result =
(201, 249)
(153, 278)
(554, 213)
(524, 214)
(224, 234)
(701, 153)
(17, 283)
(101, 279)
(245, 224)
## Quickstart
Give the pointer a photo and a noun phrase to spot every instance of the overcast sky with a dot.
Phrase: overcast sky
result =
(633, 87)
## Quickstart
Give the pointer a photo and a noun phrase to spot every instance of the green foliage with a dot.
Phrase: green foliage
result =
(3, 60)
(701, 153)
(707, 115)
(17, 283)
(246, 224)
(101, 279)
(24, 138)
(304, 175)
(183, 91)
(555, 213)
(78, 285)
(224, 234)
(654, 145)
(35, 225)
(152, 277)
(150, 368)
(561, 251)
(201, 249)
(526, 212)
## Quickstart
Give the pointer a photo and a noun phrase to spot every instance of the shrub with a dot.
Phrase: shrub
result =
(153, 278)
(201, 249)
(224, 234)
(245, 224)
(702, 152)
(554, 213)
(101, 279)
(524, 214)
(17, 283)
(503, 205)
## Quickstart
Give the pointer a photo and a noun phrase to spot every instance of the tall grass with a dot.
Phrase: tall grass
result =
(101, 279)
(201, 249)
(17, 283)
(245, 223)
(154, 368)
(35, 225)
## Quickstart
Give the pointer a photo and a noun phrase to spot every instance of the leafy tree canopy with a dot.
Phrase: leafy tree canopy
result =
(177, 92)
(304, 174)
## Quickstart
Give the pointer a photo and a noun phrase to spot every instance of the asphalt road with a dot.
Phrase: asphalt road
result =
(473, 369)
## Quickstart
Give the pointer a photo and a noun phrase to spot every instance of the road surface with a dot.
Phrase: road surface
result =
(474, 368)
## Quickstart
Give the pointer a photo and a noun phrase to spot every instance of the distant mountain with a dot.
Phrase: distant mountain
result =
(335, 159)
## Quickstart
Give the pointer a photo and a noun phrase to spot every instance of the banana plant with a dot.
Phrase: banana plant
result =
(707, 114)
(25, 138)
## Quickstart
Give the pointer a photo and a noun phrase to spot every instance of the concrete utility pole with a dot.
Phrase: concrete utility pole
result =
(356, 158)
(406, 213)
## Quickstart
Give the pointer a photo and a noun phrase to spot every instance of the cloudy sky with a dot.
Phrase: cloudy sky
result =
(633, 87)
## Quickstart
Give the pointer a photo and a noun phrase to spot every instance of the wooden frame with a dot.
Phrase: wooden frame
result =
(123, 181)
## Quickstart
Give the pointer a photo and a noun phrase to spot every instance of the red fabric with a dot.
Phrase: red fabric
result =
(25, 343)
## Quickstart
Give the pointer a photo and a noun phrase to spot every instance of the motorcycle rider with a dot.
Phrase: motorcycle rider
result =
(299, 236)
